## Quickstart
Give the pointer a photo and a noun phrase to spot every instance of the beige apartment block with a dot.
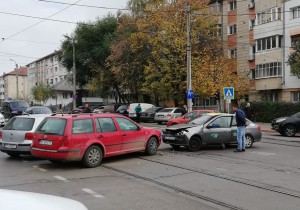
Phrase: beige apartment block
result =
(15, 84)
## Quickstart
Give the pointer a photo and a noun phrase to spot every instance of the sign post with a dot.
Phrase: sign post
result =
(228, 95)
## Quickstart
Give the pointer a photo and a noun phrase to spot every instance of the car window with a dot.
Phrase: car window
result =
(178, 111)
(126, 125)
(221, 122)
(201, 120)
(190, 115)
(166, 110)
(20, 124)
(105, 125)
(83, 126)
(233, 122)
(39, 111)
(19, 104)
(52, 126)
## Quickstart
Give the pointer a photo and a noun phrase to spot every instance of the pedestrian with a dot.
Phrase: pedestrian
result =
(185, 108)
(241, 125)
(138, 110)
(86, 109)
(249, 112)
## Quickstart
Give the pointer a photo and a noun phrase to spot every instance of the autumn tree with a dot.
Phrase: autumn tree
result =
(41, 92)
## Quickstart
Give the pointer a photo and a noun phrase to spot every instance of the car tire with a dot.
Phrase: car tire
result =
(13, 154)
(152, 146)
(175, 147)
(289, 130)
(248, 141)
(195, 144)
(92, 157)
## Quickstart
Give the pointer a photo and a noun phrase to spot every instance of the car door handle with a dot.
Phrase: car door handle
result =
(124, 134)
(100, 136)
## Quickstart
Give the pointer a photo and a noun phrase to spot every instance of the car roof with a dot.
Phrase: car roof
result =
(38, 107)
(33, 115)
(219, 114)
(84, 116)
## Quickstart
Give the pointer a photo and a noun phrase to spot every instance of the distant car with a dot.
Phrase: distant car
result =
(188, 116)
(38, 110)
(98, 109)
(77, 110)
(2, 120)
(13, 108)
(36, 201)
(111, 108)
(148, 114)
(89, 138)
(131, 107)
(13, 139)
(210, 129)
(287, 126)
(167, 114)
(123, 110)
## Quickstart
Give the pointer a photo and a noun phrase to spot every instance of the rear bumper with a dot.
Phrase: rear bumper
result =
(56, 154)
(21, 148)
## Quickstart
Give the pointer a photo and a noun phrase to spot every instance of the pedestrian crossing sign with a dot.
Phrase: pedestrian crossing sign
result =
(228, 92)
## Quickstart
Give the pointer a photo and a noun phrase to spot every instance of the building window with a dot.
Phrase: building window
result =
(231, 29)
(268, 43)
(55, 80)
(295, 12)
(252, 74)
(268, 15)
(232, 53)
(296, 96)
(65, 95)
(232, 5)
(268, 70)
(270, 97)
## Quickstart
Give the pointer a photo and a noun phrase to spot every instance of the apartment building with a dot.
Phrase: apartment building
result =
(1, 89)
(15, 84)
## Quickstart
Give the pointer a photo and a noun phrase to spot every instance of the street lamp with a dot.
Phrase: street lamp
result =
(17, 77)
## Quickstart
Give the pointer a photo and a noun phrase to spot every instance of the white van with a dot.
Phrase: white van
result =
(131, 112)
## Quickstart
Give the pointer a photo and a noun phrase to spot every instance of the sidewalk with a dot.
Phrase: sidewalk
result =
(266, 127)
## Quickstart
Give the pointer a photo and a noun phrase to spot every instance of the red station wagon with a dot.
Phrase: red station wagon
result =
(90, 137)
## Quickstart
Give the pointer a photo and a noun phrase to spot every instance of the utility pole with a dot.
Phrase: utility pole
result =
(17, 77)
(74, 75)
(188, 56)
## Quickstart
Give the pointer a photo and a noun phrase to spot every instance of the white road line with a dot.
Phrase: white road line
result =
(91, 192)
(25, 161)
(264, 153)
(62, 178)
(40, 169)
(222, 169)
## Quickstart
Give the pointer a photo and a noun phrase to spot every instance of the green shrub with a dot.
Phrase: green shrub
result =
(266, 111)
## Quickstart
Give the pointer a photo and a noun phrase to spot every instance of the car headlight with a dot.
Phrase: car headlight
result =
(181, 133)
(280, 120)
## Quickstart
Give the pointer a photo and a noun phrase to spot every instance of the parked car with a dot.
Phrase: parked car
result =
(213, 128)
(13, 138)
(98, 109)
(287, 126)
(13, 108)
(77, 110)
(17, 200)
(2, 120)
(123, 110)
(38, 110)
(89, 138)
(148, 114)
(144, 106)
(111, 108)
(188, 116)
(166, 114)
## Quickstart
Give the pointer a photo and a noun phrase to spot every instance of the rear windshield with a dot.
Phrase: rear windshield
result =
(19, 104)
(201, 120)
(166, 110)
(54, 126)
(20, 124)
(153, 109)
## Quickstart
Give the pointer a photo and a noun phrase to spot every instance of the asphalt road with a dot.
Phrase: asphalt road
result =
(264, 177)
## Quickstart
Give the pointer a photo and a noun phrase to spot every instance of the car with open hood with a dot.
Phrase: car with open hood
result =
(210, 129)
(287, 126)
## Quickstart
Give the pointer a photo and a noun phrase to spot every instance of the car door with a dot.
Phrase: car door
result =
(133, 138)
(107, 133)
(233, 134)
(218, 130)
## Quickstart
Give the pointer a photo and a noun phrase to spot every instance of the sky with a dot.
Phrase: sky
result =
(24, 40)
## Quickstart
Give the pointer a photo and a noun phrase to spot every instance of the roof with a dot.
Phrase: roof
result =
(22, 71)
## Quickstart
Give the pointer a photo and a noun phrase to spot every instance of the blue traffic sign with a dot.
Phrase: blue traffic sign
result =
(190, 94)
(228, 92)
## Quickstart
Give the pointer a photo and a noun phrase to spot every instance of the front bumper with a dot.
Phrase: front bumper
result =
(181, 140)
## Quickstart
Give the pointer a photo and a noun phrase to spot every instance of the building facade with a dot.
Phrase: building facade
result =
(15, 84)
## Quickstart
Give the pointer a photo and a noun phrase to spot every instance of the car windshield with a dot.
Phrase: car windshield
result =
(200, 120)
(166, 110)
(296, 115)
(20, 124)
(52, 126)
(122, 107)
(19, 104)
(39, 111)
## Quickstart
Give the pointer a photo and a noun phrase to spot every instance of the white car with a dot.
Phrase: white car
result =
(132, 113)
(166, 114)
(2, 120)
(19, 200)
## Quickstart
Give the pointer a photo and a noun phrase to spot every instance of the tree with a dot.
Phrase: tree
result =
(41, 93)
(294, 60)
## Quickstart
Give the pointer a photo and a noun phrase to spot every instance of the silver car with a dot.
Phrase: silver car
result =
(13, 139)
(213, 128)
(166, 114)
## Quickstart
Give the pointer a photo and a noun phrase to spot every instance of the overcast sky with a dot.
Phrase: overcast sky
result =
(45, 37)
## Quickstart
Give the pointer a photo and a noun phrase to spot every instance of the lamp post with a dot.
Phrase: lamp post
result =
(17, 77)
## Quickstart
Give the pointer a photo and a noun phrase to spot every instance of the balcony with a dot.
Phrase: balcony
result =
(251, 57)
(269, 83)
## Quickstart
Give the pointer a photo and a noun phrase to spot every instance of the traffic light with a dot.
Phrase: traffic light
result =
(217, 95)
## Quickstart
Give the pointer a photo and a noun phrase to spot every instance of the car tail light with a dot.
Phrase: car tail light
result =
(169, 115)
(0, 135)
(259, 128)
(29, 136)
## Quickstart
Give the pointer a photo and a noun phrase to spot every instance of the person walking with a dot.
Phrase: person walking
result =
(138, 110)
(249, 112)
(241, 123)
(86, 109)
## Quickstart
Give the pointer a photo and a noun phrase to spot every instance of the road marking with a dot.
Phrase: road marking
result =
(222, 169)
(91, 192)
(40, 169)
(62, 178)
(25, 161)
(264, 153)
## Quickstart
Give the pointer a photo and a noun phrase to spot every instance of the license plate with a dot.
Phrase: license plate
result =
(170, 137)
(45, 142)
(143, 115)
(10, 146)
(161, 116)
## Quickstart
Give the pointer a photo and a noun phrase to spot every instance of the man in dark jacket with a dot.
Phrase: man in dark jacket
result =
(249, 112)
(86, 109)
(241, 123)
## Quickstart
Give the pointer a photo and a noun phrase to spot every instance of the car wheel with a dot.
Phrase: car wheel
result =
(248, 141)
(175, 147)
(289, 130)
(195, 144)
(92, 157)
(152, 146)
(13, 154)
